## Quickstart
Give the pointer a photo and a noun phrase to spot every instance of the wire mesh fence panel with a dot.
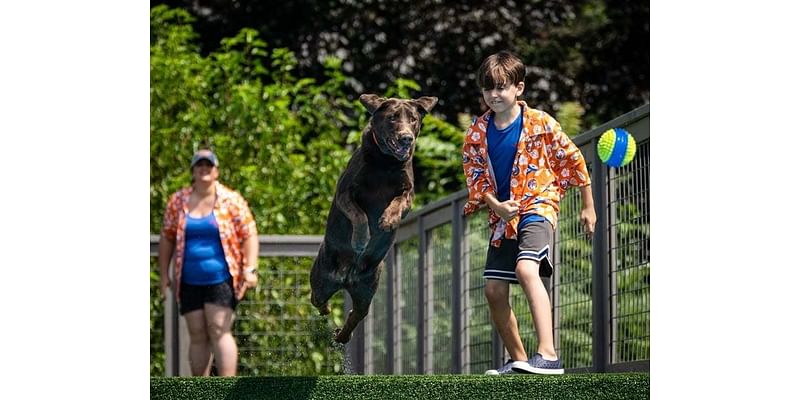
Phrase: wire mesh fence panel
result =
(377, 327)
(630, 258)
(441, 321)
(573, 285)
(157, 351)
(277, 329)
(477, 320)
(406, 261)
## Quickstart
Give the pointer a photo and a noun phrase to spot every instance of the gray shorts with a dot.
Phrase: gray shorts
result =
(534, 242)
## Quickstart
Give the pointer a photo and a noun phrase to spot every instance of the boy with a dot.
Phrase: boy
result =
(519, 162)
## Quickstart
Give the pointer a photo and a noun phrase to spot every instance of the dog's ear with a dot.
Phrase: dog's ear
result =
(426, 103)
(371, 101)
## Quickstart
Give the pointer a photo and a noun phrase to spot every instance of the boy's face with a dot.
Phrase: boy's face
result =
(501, 98)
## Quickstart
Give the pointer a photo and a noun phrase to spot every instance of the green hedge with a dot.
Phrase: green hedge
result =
(417, 387)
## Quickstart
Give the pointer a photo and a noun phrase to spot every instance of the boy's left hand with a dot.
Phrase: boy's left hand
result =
(588, 219)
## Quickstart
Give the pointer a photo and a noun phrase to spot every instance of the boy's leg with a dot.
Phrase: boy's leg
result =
(539, 302)
(496, 292)
(498, 274)
(533, 262)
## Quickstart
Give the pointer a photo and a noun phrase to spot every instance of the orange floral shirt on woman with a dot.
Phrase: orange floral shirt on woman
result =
(547, 163)
(235, 223)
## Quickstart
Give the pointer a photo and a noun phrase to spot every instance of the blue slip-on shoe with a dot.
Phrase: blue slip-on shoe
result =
(538, 365)
(508, 368)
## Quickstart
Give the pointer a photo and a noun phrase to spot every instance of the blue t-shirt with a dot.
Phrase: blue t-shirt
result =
(204, 259)
(502, 144)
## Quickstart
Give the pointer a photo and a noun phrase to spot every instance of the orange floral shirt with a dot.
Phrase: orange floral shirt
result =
(235, 222)
(547, 163)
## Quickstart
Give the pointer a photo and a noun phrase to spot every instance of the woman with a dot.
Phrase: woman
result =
(210, 231)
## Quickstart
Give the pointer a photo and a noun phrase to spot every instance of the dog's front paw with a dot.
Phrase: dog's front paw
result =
(389, 223)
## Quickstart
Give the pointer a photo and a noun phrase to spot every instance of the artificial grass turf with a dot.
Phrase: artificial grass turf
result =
(417, 387)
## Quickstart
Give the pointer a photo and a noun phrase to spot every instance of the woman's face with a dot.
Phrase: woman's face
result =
(205, 172)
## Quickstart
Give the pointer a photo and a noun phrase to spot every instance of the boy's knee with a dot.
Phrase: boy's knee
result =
(494, 294)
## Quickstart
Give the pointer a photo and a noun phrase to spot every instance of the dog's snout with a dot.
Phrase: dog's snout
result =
(406, 140)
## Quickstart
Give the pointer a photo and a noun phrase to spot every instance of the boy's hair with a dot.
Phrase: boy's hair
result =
(499, 69)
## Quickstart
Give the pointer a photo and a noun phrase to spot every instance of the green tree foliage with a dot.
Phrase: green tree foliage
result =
(268, 128)
(569, 116)
(595, 52)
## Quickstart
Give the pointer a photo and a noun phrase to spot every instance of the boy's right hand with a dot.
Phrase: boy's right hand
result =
(507, 209)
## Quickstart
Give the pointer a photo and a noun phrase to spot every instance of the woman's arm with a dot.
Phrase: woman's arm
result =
(166, 245)
(250, 251)
(165, 249)
(245, 226)
(250, 265)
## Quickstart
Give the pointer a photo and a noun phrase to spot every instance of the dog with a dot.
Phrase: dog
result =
(373, 194)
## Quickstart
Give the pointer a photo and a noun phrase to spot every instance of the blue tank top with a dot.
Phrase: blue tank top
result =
(502, 144)
(204, 259)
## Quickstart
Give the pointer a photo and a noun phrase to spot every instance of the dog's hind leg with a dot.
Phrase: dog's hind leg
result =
(323, 286)
(362, 298)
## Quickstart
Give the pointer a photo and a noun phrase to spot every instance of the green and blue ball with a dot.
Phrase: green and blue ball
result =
(616, 147)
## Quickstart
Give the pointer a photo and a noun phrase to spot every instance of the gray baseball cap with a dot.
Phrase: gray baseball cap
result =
(205, 155)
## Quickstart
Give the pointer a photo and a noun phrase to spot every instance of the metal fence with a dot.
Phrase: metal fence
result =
(429, 315)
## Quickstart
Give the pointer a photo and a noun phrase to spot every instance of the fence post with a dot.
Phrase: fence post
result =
(465, 298)
(176, 336)
(171, 335)
(360, 350)
(456, 307)
(349, 351)
(397, 315)
(421, 296)
(553, 291)
(354, 349)
(369, 340)
(612, 262)
(600, 267)
(389, 275)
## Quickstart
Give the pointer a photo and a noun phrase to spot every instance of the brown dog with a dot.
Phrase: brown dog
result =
(372, 195)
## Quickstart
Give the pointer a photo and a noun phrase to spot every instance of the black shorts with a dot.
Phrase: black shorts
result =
(194, 296)
(534, 242)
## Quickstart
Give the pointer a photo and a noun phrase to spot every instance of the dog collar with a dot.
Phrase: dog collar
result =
(373, 136)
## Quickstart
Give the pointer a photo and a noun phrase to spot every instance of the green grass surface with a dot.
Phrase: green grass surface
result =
(417, 387)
